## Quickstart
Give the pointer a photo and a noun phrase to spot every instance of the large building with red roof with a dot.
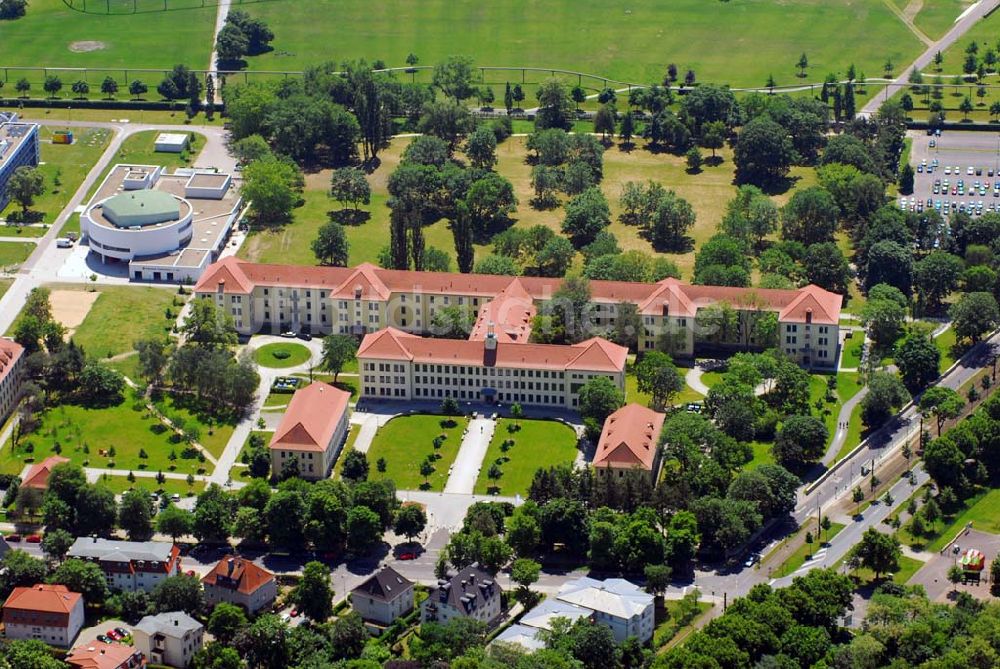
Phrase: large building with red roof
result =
(312, 430)
(11, 373)
(239, 581)
(49, 613)
(365, 299)
(38, 474)
(629, 442)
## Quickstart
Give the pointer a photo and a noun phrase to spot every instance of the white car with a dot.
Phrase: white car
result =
(947, 170)
(970, 171)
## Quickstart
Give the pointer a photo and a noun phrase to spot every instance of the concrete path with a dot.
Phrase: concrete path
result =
(213, 60)
(470, 456)
(366, 434)
(693, 379)
(843, 426)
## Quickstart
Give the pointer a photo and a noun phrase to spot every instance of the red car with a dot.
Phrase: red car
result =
(295, 613)
(111, 634)
(34, 538)
(13, 537)
(407, 556)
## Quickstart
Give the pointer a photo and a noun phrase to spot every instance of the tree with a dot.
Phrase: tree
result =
(207, 326)
(24, 185)
(763, 152)
(586, 215)
(801, 439)
(225, 622)
(355, 466)
(693, 160)
(365, 529)
(524, 572)
(884, 319)
(658, 376)
(802, 64)
(886, 394)
(338, 350)
(271, 186)
(713, 136)
(314, 594)
(454, 77)
(23, 86)
(942, 403)
(410, 521)
(966, 107)
(84, 577)
(212, 515)
(481, 148)
(657, 578)
(137, 89)
(20, 570)
(827, 267)
(331, 246)
(231, 45)
(906, 177)
(810, 217)
(348, 185)
(917, 359)
(604, 122)
(174, 522)
(135, 515)
(878, 552)
(973, 315)
(178, 593)
(599, 398)
(56, 543)
(9, 10)
(80, 89)
(936, 276)
(671, 220)
(555, 107)
(52, 85)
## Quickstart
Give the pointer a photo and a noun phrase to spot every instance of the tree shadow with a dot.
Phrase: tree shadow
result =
(714, 161)
(349, 216)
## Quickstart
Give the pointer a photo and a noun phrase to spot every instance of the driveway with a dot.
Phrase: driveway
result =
(469, 460)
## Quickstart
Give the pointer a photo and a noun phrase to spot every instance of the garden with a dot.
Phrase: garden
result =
(417, 451)
(281, 355)
(519, 448)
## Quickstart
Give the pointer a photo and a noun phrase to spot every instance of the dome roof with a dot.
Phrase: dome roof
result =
(140, 208)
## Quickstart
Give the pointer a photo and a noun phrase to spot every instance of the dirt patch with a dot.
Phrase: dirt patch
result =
(86, 46)
(70, 307)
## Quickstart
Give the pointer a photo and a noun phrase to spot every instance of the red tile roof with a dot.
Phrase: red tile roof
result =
(99, 655)
(42, 598)
(10, 353)
(594, 355)
(509, 314)
(629, 438)
(311, 418)
(237, 573)
(38, 475)
(238, 276)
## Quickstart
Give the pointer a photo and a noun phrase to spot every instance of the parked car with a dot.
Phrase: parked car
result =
(288, 334)
(175, 497)
(111, 634)
(407, 556)
(123, 632)
(33, 538)
(103, 639)
(752, 559)
(13, 537)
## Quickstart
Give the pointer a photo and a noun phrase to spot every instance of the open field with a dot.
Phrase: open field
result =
(630, 43)
(64, 168)
(936, 17)
(707, 192)
(121, 315)
(405, 441)
(53, 35)
(83, 433)
(213, 434)
(280, 355)
(538, 444)
(13, 254)
(53, 115)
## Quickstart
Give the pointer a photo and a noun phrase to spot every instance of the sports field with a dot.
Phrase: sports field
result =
(735, 42)
(53, 35)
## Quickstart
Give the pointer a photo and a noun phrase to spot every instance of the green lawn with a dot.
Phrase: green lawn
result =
(632, 42)
(51, 34)
(538, 444)
(936, 17)
(281, 354)
(805, 551)
(406, 441)
(711, 379)
(123, 314)
(13, 254)
(982, 510)
(762, 454)
(851, 358)
(213, 434)
(949, 350)
(352, 436)
(129, 366)
(907, 568)
(120, 484)
(5, 284)
(64, 167)
(632, 394)
(83, 433)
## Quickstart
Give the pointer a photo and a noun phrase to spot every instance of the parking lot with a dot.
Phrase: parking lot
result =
(955, 171)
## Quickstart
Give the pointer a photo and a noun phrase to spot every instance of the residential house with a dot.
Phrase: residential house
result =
(471, 593)
(37, 475)
(618, 604)
(130, 565)
(630, 442)
(100, 655)
(49, 613)
(312, 431)
(239, 581)
(385, 596)
(170, 638)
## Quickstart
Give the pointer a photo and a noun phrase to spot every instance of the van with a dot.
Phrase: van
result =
(64, 242)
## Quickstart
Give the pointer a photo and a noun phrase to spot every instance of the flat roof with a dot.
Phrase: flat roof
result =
(204, 180)
(172, 138)
(14, 135)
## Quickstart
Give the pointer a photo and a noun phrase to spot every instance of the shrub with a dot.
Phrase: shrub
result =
(281, 354)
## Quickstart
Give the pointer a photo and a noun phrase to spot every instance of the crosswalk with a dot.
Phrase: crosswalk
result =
(814, 561)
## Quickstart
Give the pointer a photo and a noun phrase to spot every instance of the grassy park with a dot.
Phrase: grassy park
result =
(636, 41)
(281, 355)
(123, 314)
(981, 510)
(537, 444)
(5, 285)
(404, 442)
(13, 254)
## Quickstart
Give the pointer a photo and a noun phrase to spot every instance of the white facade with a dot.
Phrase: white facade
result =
(171, 142)
(170, 639)
(617, 604)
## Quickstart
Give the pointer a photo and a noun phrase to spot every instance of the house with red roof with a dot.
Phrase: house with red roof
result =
(100, 655)
(49, 613)
(38, 474)
(312, 431)
(11, 374)
(240, 581)
(367, 299)
(629, 442)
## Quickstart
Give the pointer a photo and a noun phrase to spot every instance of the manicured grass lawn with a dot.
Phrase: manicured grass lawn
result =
(122, 315)
(538, 444)
(630, 43)
(984, 32)
(13, 254)
(707, 192)
(666, 627)
(121, 484)
(907, 568)
(214, 434)
(711, 379)
(84, 432)
(945, 343)
(805, 551)
(23, 231)
(936, 17)
(45, 36)
(851, 357)
(762, 454)
(632, 393)
(129, 366)
(68, 164)
(280, 355)
(352, 436)
(982, 510)
(406, 441)
(5, 284)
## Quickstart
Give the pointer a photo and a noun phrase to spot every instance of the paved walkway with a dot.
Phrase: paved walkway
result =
(843, 426)
(693, 379)
(469, 461)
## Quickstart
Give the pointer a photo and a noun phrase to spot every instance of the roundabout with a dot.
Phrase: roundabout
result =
(282, 355)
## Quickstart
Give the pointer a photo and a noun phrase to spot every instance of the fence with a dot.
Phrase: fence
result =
(105, 7)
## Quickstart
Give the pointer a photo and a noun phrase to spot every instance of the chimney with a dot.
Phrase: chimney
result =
(491, 337)
(177, 623)
(809, 315)
(229, 567)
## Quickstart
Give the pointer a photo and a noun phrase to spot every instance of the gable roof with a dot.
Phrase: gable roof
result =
(100, 655)
(629, 438)
(237, 573)
(311, 418)
(10, 353)
(614, 596)
(38, 475)
(386, 345)
(385, 585)
(681, 299)
(508, 315)
(43, 598)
